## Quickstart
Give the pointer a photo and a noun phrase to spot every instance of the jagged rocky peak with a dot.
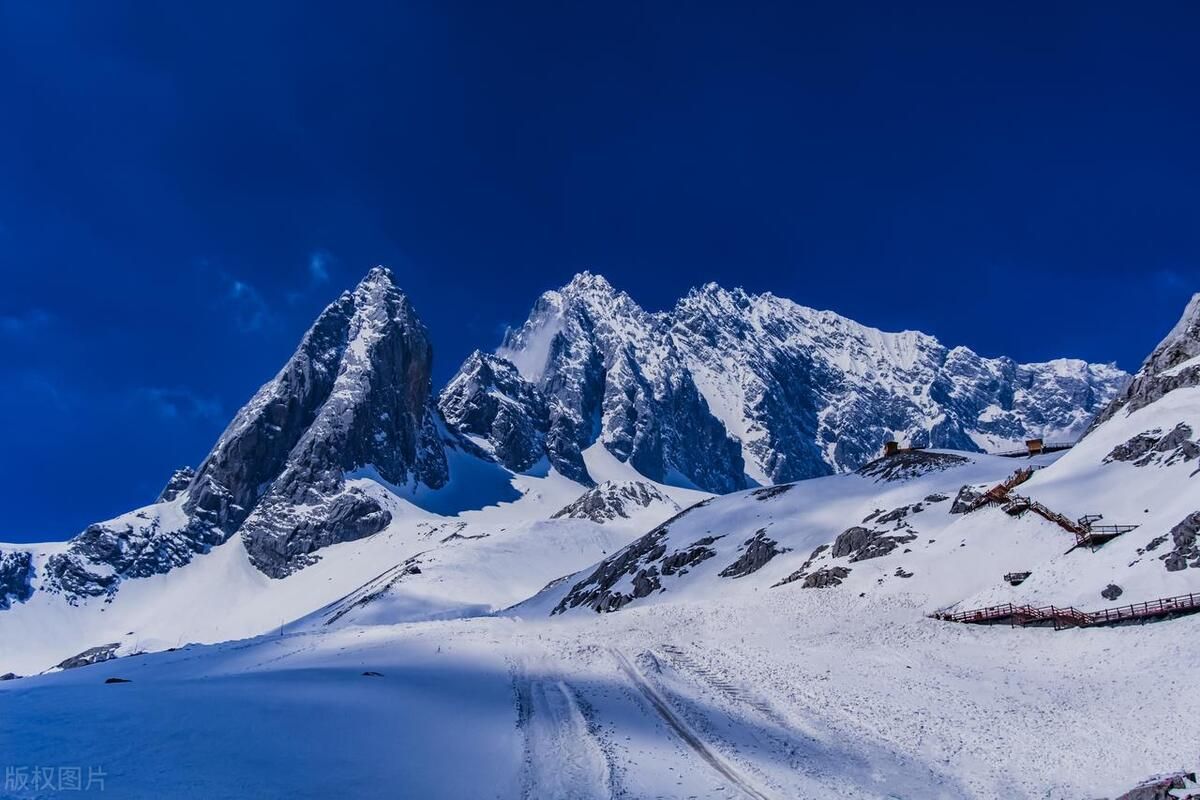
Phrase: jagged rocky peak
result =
(354, 396)
(16, 578)
(730, 388)
(180, 480)
(610, 374)
(1174, 364)
(373, 411)
(615, 499)
(509, 418)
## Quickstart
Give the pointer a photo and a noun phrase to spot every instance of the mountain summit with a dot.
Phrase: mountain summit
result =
(730, 388)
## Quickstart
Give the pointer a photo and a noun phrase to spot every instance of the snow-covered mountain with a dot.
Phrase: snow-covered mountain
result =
(347, 442)
(900, 524)
(775, 641)
(729, 389)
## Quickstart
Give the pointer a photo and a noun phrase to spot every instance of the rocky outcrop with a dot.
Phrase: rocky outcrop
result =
(644, 562)
(16, 578)
(489, 401)
(375, 412)
(1155, 447)
(180, 480)
(354, 398)
(1174, 364)
(966, 499)
(802, 392)
(861, 544)
(826, 577)
(94, 655)
(1186, 552)
(909, 464)
(756, 552)
(611, 373)
(612, 500)
(149, 541)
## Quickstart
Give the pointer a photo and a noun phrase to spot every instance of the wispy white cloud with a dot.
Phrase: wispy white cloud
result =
(25, 322)
(177, 403)
(319, 264)
(252, 312)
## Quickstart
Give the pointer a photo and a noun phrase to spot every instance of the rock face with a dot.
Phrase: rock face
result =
(610, 373)
(510, 418)
(1174, 364)
(16, 578)
(730, 385)
(644, 562)
(611, 500)
(354, 396)
(1155, 447)
(93, 655)
(909, 464)
(180, 480)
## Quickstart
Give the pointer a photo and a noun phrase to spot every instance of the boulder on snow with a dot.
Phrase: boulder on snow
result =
(825, 577)
(93, 655)
(908, 464)
(965, 500)
(613, 499)
(1187, 552)
(756, 551)
(861, 543)
(1111, 592)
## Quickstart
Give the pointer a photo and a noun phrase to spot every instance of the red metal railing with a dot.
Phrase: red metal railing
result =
(1069, 616)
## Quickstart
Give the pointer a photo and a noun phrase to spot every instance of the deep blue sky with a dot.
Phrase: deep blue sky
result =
(183, 186)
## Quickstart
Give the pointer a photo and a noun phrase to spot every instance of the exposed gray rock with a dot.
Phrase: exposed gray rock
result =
(1162, 787)
(1111, 592)
(853, 539)
(490, 400)
(1154, 447)
(611, 500)
(826, 577)
(897, 514)
(861, 544)
(355, 396)
(93, 655)
(9, 676)
(804, 568)
(641, 383)
(371, 357)
(965, 499)
(756, 552)
(1169, 367)
(1186, 552)
(618, 379)
(16, 577)
(137, 545)
(644, 560)
(771, 492)
(909, 464)
(179, 482)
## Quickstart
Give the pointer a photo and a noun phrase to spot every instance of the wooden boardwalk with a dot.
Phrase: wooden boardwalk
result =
(1060, 617)
(1085, 530)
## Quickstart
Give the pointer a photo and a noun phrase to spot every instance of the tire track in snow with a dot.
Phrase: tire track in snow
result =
(684, 731)
(562, 759)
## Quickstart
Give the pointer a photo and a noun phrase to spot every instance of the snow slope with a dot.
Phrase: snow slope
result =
(472, 558)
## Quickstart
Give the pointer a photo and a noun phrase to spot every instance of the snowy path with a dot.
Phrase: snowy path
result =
(684, 731)
(562, 759)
